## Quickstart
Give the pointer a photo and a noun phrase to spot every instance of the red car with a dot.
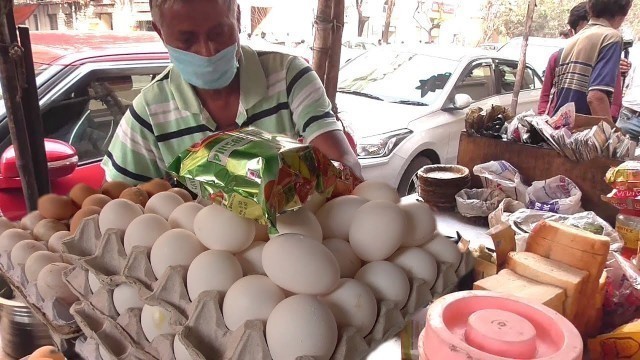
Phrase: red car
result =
(86, 82)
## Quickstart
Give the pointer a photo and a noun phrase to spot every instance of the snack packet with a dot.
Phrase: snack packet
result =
(259, 175)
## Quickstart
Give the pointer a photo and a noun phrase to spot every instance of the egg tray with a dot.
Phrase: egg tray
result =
(54, 314)
(112, 267)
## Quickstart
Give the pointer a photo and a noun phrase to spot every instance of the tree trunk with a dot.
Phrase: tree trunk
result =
(322, 40)
(362, 22)
(333, 63)
(523, 56)
(387, 21)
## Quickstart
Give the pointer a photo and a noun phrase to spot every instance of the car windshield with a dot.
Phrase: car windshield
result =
(537, 54)
(402, 77)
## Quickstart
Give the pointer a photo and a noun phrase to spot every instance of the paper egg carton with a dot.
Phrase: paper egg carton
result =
(192, 322)
(53, 313)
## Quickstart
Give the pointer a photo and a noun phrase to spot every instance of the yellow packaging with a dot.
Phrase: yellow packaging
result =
(622, 343)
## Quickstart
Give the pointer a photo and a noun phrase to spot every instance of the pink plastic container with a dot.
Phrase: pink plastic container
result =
(484, 325)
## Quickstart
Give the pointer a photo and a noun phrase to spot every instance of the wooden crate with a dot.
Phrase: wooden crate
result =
(535, 163)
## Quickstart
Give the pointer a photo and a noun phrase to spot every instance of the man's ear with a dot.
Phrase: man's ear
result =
(156, 28)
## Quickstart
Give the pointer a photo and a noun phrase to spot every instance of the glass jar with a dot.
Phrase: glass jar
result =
(628, 227)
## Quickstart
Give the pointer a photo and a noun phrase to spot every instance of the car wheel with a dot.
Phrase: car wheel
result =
(409, 181)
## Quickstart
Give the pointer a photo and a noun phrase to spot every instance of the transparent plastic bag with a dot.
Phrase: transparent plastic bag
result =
(502, 176)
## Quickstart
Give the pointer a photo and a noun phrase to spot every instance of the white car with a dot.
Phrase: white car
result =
(406, 108)
(539, 50)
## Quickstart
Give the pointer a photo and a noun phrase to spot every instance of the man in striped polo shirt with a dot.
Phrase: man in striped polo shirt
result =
(214, 84)
(589, 65)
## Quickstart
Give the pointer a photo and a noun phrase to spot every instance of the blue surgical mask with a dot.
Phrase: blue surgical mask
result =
(215, 72)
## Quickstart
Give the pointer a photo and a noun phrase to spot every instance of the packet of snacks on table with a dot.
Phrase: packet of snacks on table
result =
(625, 181)
(258, 175)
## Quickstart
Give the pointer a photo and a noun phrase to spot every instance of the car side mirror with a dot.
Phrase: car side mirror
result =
(462, 101)
(62, 160)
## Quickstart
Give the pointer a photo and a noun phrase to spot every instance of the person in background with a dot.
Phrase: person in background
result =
(629, 120)
(590, 63)
(215, 84)
(578, 19)
(565, 34)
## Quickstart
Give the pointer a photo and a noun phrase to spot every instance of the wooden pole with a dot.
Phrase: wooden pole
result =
(322, 39)
(333, 63)
(10, 55)
(33, 121)
(523, 56)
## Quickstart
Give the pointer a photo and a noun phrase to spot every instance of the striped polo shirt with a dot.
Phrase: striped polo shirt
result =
(590, 61)
(279, 93)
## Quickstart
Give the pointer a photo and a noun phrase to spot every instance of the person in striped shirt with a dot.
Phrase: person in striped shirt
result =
(214, 84)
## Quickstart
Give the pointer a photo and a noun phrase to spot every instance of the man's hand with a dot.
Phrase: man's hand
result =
(335, 145)
(625, 67)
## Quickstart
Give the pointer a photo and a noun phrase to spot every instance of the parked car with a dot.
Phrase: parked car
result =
(406, 108)
(539, 50)
(85, 82)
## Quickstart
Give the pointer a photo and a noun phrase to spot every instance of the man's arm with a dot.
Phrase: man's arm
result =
(547, 85)
(599, 104)
(312, 115)
(603, 80)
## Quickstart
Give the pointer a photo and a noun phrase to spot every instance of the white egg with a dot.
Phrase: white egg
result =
(444, 250)
(163, 204)
(377, 230)
(301, 265)
(125, 296)
(94, 283)
(30, 221)
(55, 241)
(348, 262)
(416, 263)
(180, 351)
(5, 225)
(155, 321)
(315, 202)
(251, 298)
(335, 216)
(301, 325)
(51, 286)
(118, 214)
(144, 231)
(175, 247)
(11, 237)
(182, 217)
(387, 281)
(25, 248)
(251, 259)
(352, 304)
(212, 270)
(37, 261)
(300, 221)
(220, 229)
(377, 191)
(421, 222)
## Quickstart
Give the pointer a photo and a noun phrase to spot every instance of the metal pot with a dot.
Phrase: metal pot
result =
(20, 330)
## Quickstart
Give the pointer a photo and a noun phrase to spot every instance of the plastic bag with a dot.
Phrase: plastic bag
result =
(478, 202)
(506, 208)
(558, 195)
(502, 176)
(622, 297)
(523, 221)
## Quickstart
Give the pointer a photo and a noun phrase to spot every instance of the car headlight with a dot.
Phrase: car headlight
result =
(381, 145)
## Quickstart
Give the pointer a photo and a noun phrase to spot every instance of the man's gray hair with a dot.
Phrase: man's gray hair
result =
(156, 5)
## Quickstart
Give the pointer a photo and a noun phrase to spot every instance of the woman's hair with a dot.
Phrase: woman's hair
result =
(609, 9)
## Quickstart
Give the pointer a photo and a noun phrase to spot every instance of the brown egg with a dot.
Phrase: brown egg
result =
(82, 214)
(155, 186)
(113, 189)
(135, 195)
(80, 192)
(46, 228)
(56, 207)
(48, 353)
(97, 200)
(30, 220)
(184, 194)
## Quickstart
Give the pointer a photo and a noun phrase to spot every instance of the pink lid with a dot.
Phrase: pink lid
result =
(488, 326)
